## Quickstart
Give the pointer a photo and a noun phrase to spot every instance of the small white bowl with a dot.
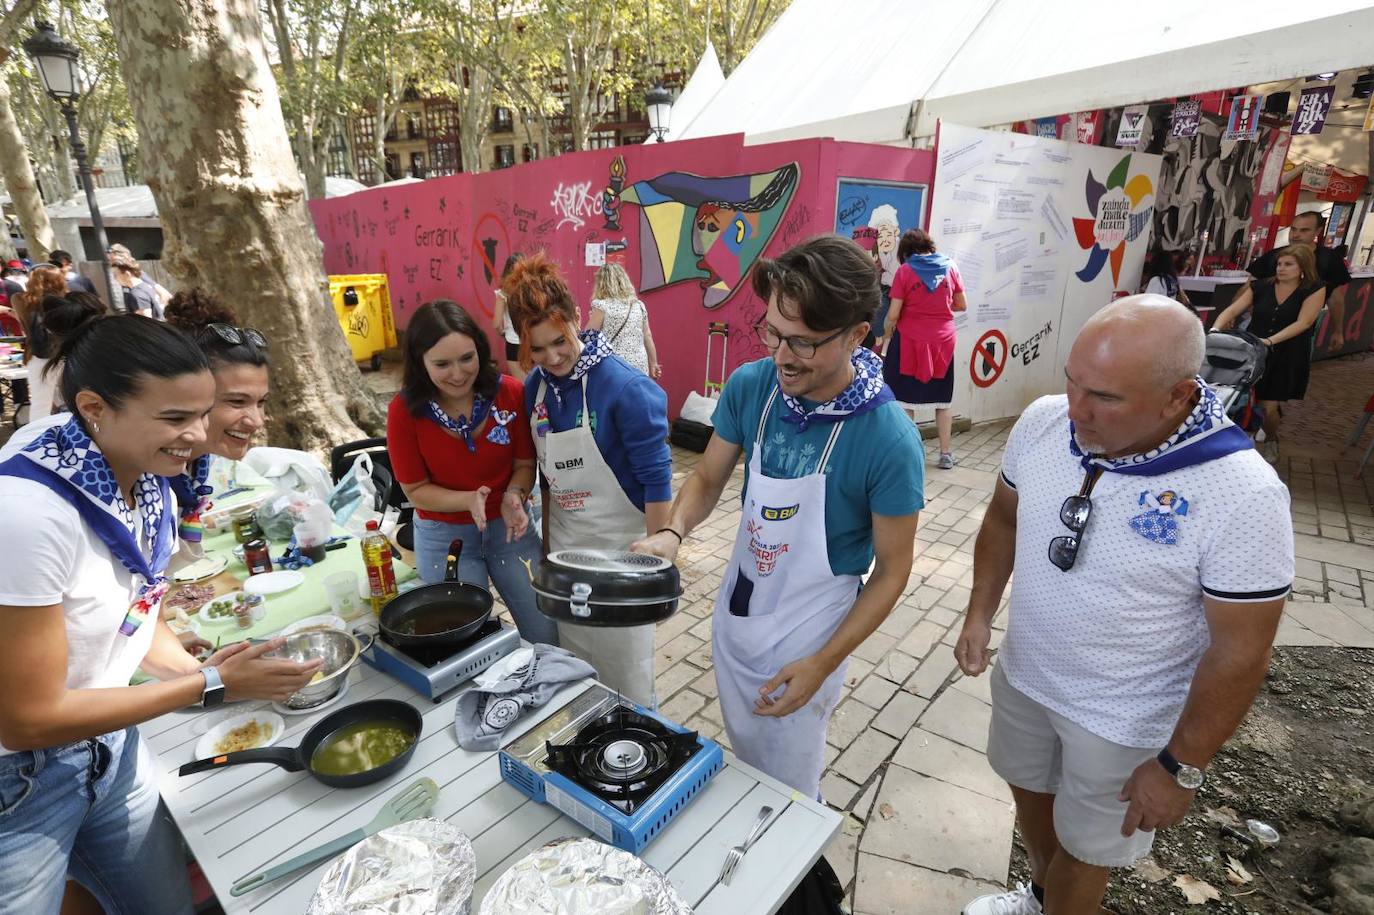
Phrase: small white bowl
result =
(310, 622)
(274, 723)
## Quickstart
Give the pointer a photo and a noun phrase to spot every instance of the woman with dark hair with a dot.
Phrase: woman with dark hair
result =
(460, 449)
(919, 336)
(1283, 309)
(79, 593)
(505, 326)
(1161, 275)
(238, 360)
(601, 432)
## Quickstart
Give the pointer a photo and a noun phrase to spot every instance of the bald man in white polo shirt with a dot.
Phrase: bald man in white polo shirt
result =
(1153, 552)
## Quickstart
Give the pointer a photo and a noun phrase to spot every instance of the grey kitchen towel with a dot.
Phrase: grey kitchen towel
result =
(488, 709)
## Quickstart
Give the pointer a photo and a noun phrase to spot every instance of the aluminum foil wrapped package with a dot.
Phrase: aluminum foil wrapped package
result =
(423, 867)
(582, 877)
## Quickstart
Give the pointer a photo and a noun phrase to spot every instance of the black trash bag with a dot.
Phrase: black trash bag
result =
(819, 893)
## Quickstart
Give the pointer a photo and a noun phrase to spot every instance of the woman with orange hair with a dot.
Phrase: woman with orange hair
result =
(601, 436)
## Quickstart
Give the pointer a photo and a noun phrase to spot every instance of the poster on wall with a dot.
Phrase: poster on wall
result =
(1187, 117)
(876, 213)
(1243, 123)
(1313, 106)
(1044, 233)
(1132, 122)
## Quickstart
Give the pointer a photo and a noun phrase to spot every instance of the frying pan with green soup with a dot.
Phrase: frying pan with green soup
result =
(361, 747)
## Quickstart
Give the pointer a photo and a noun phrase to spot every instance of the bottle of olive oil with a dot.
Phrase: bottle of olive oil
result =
(381, 575)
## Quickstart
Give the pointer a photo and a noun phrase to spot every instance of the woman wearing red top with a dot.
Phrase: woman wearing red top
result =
(918, 351)
(460, 446)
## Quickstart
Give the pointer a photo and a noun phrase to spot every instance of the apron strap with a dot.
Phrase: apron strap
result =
(763, 418)
(586, 411)
(830, 446)
(539, 394)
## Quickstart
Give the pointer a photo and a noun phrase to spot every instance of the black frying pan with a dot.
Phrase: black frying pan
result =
(441, 615)
(296, 759)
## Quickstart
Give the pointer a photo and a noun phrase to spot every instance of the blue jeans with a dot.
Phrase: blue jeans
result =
(90, 808)
(487, 556)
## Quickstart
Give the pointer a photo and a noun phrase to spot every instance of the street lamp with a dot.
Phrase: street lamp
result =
(58, 65)
(659, 102)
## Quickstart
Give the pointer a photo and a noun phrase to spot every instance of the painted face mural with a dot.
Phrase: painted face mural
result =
(710, 230)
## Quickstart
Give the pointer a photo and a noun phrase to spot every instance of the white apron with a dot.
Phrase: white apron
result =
(589, 510)
(780, 573)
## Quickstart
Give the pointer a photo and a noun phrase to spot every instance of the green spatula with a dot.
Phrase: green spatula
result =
(413, 802)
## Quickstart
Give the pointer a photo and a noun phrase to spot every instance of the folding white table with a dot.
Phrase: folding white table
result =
(243, 819)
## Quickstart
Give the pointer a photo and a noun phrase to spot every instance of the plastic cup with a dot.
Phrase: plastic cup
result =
(342, 590)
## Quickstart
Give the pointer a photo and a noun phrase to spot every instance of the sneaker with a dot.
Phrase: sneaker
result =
(946, 461)
(1270, 451)
(1020, 901)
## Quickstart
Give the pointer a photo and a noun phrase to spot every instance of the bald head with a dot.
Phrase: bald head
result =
(1149, 337)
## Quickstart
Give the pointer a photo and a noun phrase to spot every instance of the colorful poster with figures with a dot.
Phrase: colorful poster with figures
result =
(1187, 118)
(1313, 106)
(1044, 233)
(876, 213)
(688, 221)
(1244, 120)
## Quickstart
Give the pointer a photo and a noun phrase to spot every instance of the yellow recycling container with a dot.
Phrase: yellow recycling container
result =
(363, 306)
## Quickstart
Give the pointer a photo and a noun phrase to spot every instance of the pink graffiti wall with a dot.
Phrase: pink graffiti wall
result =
(687, 220)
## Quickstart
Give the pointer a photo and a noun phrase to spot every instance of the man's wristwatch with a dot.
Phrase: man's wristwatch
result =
(213, 694)
(1189, 777)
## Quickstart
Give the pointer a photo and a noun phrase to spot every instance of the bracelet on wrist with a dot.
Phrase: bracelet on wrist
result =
(669, 530)
(517, 490)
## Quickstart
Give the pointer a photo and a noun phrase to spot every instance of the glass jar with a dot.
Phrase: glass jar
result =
(257, 556)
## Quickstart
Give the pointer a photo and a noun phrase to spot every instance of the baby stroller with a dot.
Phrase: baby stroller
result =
(1233, 363)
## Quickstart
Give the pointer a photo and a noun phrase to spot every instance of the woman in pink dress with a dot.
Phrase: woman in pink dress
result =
(918, 337)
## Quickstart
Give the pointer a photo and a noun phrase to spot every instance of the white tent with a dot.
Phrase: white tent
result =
(701, 87)
(883, 71)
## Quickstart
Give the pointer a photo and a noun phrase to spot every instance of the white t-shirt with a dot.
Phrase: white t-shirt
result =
(60, 561)
(1113, 643)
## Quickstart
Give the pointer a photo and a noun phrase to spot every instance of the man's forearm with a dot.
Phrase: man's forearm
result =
(994, 552)
(694, 503)
(1223, 689)
(1336, 308)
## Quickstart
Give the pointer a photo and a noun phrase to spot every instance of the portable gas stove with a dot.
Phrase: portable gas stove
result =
(617, 768)
(435, 673)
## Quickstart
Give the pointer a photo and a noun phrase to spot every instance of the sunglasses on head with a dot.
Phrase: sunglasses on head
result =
(237, 336)
(1074, 513)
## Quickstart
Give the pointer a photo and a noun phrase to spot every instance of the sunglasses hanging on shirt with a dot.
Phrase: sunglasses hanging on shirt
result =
(1074, 513)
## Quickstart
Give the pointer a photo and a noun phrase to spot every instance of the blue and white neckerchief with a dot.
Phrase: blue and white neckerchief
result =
(1205, 435)
(67, 461)
(594, 349)
(463, 425)
(930, 268)
(192, 490)
(498, 434)
(866, 392)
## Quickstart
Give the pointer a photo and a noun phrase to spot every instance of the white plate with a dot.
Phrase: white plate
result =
(324, 619)
(275, 724)
(201, 570)
(273, 582)
(203, 617)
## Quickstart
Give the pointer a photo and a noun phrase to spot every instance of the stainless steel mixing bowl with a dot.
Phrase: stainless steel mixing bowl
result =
(340, 651)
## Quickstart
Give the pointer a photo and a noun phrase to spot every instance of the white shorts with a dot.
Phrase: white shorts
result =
(1037, 749)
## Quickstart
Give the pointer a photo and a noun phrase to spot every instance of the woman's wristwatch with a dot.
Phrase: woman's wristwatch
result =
(213, 694)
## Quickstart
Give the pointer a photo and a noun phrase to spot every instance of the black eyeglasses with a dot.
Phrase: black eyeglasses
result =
(236, 336)
(1075, 513)
(803, 348)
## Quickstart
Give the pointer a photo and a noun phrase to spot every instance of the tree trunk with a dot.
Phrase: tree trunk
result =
(217, 158)
(19, 181)
(312, 168)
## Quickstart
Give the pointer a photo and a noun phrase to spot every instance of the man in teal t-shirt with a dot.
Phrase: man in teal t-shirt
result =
(834, 485)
